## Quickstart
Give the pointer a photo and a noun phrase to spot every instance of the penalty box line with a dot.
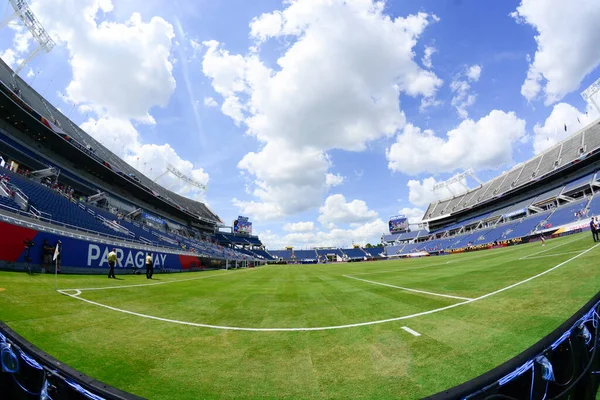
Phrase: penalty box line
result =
(325, 328)
(408, 289)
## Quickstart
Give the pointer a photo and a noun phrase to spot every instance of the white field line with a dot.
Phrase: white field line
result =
(549, 255)
(550, 248)
(460, 259)
(325, 328)
(158, 283)
(408, 289)
(414, 333)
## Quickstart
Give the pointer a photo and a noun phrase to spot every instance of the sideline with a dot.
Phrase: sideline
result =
(161, 283)
(408, 289)
(325, 328)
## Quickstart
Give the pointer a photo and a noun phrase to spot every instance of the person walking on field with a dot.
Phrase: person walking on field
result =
(594, 230)
(149, 266)
(112, 260)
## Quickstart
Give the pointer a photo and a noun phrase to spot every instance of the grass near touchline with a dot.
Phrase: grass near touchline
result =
(160, 360)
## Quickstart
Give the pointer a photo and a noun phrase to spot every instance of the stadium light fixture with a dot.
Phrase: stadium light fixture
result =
(189, 181)
(458, 178)
(589, 94)
(27, 17)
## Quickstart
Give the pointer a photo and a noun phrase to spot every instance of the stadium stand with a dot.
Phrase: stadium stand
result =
(74, 167)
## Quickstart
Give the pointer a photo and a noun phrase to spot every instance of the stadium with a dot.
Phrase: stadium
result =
(493, 294)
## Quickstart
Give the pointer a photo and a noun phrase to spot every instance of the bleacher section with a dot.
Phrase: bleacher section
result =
(354, 253)
(563, 154)
(63, 127)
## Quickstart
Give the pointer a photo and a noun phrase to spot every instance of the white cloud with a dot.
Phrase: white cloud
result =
(369, 232)
(421, 193)
(121, 69)
(473, 72)
(414, 215)
(473, 144)
(210, 102)
(332, 89)
(333, 180)
(9, 56)
(567, 45)
(337, 210)
(553, 130)
(121, 137)
(463, 96)
(287, 181)
(299, 226)
(426, 60)
(30, 73)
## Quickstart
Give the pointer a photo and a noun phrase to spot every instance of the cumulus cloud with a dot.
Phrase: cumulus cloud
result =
(426, 60)
(421, 194)
(567, 45)
(121, 137)
(472, 144)
(210, 102)
(552, 131)
(121, 69)
(337, 210)
(331, 89)
(307, 226)
(414, 215)
(333, 180)
(369, 232)
(473, 72)
(463, 97)
(287, 180)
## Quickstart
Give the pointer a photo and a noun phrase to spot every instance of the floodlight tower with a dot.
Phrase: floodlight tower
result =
(186, 179)
(458, 178)
(589, 93)
(43, 39)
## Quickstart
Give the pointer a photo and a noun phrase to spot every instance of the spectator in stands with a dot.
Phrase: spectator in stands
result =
(112, 260)
(594, 230)
(149, 266)
(47, 252)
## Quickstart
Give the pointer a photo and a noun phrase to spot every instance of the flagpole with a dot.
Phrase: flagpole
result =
(56, 273)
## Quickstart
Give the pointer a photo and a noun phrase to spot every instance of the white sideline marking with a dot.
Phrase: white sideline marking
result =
(549, 255)
(155, 283)
(414, 333)
(550, 248)
(324, 328)
(408, 289)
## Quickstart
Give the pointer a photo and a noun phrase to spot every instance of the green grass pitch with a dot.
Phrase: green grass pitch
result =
(356, 356)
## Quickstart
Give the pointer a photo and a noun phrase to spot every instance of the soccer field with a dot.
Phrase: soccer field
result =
(391, 329)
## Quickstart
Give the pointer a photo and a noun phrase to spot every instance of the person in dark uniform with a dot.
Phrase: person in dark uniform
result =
(594, 229)
(47, 252)
(149, 266)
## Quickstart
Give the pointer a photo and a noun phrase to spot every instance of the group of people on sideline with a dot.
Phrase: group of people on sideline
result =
(112, 261)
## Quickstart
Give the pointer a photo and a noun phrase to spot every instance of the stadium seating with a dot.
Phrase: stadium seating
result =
(566, 213)
(556, 157)
(285, 255)
(60, 208)
(354, 253)
(305, 255)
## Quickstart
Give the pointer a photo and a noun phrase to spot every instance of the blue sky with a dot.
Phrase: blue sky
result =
(317, 119)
